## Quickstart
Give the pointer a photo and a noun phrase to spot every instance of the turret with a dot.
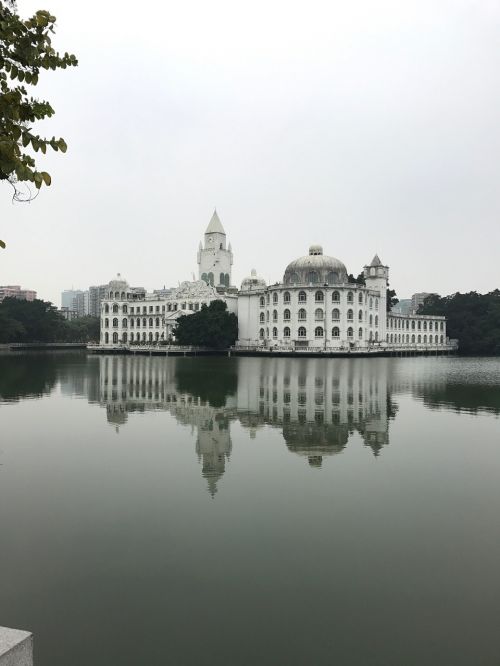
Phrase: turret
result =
(377, 279)
(214, 260)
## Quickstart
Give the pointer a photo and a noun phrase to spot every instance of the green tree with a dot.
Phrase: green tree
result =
(83, 329)
(391, 299)
(25, 49)
(36, 321)
(212, 326)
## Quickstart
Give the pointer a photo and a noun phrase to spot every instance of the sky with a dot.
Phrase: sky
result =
(362, 126)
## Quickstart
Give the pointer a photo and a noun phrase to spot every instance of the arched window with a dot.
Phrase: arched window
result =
(360, 298)
(376, 320)
(151, 321)
(319, 297)
(221, 278)
(360, 333)
(115, 308)
(111, 294)
(267, 332)
(441, 339)
(204, 277)
(335, 297)
(425, 339)
(318, 314)
(332, 277)
(144, 321)
(419, 339)
(106, 308)
(430, 326)
(261, 333)
(150, 337)
(413, 339)
(267, 299)
(318, 332)
(262, 301)
(262, 317)
(413, 325)
(286, 297)
(350, 297)
(302, 297)
(117, 295)
(106, 323)
(335, 314)
(350, 315)
(360, 315)
(144, 336)
(335, 332)
(115, 322)
(294, 278)
(371, 320)
(312, 277)
(286, 315)
(275, 315)
(122, 296)
(124, 337)
(371, 303)
(407, 337)
(138, 322)
(226, 279)
(441, 327)
(124, 322)
(350, 332)
(125, 309)
(302, 314)
(376, 336)
(376, 304)
(275, 297)
(267, 315)
(286, 332)
(115, 338)
(419, 325)
(157, 321)
(211, 279)
(275, 332)
(302, 332)
(131, 337)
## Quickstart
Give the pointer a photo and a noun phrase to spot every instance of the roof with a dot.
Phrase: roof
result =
(376, 261)
(215, 226)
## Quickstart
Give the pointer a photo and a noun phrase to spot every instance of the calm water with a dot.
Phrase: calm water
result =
(250, 511)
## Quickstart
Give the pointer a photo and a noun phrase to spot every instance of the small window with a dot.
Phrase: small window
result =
(350, 297)
(350, 315)
(286, 332)
(286, 315)
(350, 332)
(318, 332)
(335, 314)
(261, 333)
(312, 277)
(360, 315)
(275, 297)
(302, 332)
(275, 332)
(319, 297)
(275, 315)
(336, 296)
(302, 297)
(262, 301)
(318, 314)
(262, 317)
(302, 314)
(335, 332)
(360, 333)
(286, 297)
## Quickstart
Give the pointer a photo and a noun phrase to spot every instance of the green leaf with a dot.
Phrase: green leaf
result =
(2, 244)
(46, 178)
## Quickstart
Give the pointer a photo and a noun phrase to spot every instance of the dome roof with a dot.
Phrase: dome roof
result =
(315, 268)
(253, 282)
(118, 283)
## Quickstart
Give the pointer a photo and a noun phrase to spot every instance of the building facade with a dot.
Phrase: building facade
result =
(315, 306)
(15, 291)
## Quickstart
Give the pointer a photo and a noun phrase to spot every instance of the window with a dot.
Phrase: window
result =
(138, 322)
(275, 315)
(419, 325)
(360, 298)
(425, 339)
(144, 309)
(376, 304)
(275, 332)
(319, 297)
(332, 277)
(144, 336)
(302, 314)
(350, 332)
(124, 337)
(430, 326)
(261, 333)
(350, 297)
(267, 315)
(318, 314)
(151, 321)
(302, 297)
(350, 315)
(117, 295)
(413, 339)
(360, 315)
(376, 320)
(441, 339)
(335, 332)
(267, 299)
(124, 322)
(115, 338)
(115, 308)
(144, 321)
(286, 297)
(413, 325)
(286, 315)
(371, 320)
(106, 308)
(157, 336)
(115, 322)
(124, 309)
(294, 278)
(302, 332)
(360, 333)
(150, 337)
(371, 303)
(131, 337)
(318, 332)
(221, 278)
(157, 321)
(312, 277)
(275, 297)
(336, 296)
(211, 279)
(425, 325)
(419, 339)
(106, 323)
(262, 317)
(335, 314)
(286, 332)
(262, 301)
(132, 323)
(204, 277)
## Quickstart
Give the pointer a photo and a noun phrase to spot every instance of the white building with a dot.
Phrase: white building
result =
(314, 306)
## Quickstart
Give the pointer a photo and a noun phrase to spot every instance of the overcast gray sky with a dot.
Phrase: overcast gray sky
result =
(364, 126)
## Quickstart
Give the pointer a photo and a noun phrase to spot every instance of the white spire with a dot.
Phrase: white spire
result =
(215, 226)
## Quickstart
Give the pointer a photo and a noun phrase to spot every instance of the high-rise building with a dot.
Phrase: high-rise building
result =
(15, 291)
(418, 299)
(76, 300)
(96, 294)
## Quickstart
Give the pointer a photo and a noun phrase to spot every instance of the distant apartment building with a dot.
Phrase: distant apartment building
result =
(68, 314)
(96, 295)
(15, 291)
(418, 299)
(75, 300)
(403, 307)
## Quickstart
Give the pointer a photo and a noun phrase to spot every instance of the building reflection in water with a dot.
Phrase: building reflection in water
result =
(317, 404)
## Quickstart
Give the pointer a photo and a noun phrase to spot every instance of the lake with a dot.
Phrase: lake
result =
(251, 511)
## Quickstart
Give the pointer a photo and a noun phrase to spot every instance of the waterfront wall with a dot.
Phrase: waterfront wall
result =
(16, 647)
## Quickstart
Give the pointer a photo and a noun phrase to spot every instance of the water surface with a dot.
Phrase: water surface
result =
(251, 511)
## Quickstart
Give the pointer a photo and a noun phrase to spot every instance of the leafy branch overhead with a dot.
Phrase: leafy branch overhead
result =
(25, 50)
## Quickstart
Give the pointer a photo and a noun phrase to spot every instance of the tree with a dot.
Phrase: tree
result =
(35, 321)
(212, 326)
(25, 49)
(391, 299)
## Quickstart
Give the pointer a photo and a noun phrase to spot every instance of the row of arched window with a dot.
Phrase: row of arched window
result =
(319, 297)
(313, 277)
(419, 339)
(145, 322)
(319, 332)
(419, 325)
(319, 315)
(118, 295)
(146, 337)
(210, 279)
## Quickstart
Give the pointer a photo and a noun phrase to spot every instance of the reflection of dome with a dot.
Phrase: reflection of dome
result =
(253, 282)
(315, 268)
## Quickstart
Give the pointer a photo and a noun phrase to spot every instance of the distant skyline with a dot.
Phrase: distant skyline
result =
(364, 127)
